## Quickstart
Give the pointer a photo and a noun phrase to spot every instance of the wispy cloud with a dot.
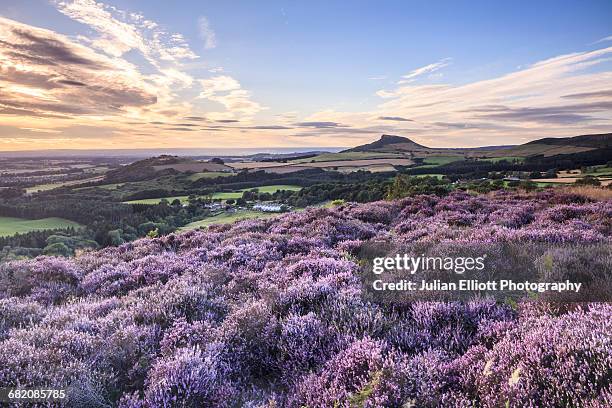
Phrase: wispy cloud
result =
(561, 96)
(608, 38)
(120, 32)
(206, 33)
(427, 69)
(394, 119)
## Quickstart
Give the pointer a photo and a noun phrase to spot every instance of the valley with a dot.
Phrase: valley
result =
(106, 201)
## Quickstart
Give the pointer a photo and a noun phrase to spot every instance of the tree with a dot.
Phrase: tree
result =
(528, 185)
(588, 181)
(115, 237)
(57, 249)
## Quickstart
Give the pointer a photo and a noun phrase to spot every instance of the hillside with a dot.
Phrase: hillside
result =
(600, 145)
(599, 141)
(274, 313)
(162, 165)
(545, 147)
(389, 143)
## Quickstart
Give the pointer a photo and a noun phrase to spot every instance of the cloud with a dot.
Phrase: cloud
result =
(535, 101)
(44, 73)
(228, 92)
(206, 33)
(567, 114)
(589, 95)
(394, 118)
(608, 38)
(319, 125)
(267, 127)
(412, 75)
(120, 32)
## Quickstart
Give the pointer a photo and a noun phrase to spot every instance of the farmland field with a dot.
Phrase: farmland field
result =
(208, 174)
(11, 225)
(51, 186)
(440, 160)
(373, 159)
(348, 156)
(570, 180)
(226, 218)
(220, 195)
(506, 158)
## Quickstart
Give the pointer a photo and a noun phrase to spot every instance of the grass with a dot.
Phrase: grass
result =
(592, 192)
(208, 175)
(11, 226)
(226, 218)
(112, 186)
(43, 187)
(602, 170)
(222, 196)
(438, 176)
(275, 188)
(440, 160)
(51, 186)
(507, 158)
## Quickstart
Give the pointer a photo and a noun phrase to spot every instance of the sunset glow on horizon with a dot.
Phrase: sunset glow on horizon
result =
(82, 74)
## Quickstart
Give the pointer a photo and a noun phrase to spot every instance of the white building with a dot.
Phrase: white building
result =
(268, 207)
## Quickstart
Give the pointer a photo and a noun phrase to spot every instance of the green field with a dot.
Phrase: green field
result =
(440, 160)
(507, 158)
(438, 176)
(226, 218)
(602, 170)
(208, 174)
(51, 186)
(112, 186)
(11, 226)
(44, 187)
(222, 196)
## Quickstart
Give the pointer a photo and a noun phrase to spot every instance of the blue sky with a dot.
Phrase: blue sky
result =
(282, 63)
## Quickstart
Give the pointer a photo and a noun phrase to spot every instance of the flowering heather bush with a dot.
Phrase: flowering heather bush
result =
(272, 312)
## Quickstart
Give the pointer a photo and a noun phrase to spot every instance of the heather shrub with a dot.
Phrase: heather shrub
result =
(303, 343)
(18, 313)
(189, 377)
(47, 279)
(274, 313)
(547, 362)
(347, 374)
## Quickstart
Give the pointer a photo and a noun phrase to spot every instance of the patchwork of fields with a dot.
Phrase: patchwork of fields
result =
(221, 195)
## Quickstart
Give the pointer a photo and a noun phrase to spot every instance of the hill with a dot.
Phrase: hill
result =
(596, 145)
(162, 165)
(389, 143)
(544, 147)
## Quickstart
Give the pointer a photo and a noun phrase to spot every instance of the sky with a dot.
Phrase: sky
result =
(123, 74)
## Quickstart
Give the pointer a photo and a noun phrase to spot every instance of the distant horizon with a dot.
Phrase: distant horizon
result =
(238, 152)
(212, 151)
